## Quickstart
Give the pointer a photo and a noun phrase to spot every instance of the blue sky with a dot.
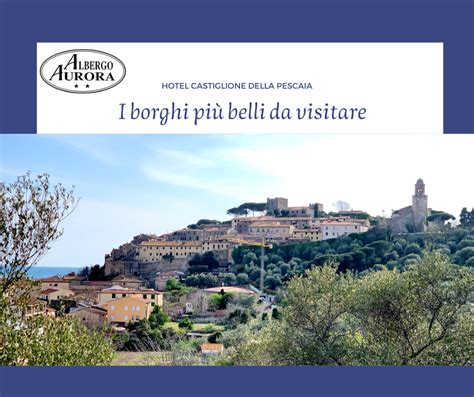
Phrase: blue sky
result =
(131, 184)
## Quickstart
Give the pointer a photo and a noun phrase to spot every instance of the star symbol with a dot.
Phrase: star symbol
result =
(87, 86)
(75, 86)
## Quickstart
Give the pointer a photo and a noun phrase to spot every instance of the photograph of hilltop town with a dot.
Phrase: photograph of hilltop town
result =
(268, 282)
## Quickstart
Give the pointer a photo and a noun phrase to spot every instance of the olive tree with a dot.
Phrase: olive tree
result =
(409, 318)
(31, 210)
(421, 316)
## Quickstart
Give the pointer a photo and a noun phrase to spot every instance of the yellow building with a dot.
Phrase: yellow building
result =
(148, 295)
(125, 310)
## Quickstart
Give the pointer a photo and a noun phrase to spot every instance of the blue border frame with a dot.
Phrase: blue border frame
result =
(236, 381)
(23, 23)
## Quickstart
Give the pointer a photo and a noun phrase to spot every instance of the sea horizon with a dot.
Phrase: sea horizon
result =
(48, 271)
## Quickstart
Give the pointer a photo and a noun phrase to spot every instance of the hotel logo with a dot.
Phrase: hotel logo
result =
(82, 71)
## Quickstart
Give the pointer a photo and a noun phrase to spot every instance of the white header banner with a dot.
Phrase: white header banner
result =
(239, 88)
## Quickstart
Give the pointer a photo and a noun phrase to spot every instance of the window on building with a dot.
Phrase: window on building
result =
(152, 296)
(112, 317)
(113, 296)
(144, 296)
(153, 303)
(138, 308)
(112, 307)
(125, 308)
(124, 295)
(125, 318)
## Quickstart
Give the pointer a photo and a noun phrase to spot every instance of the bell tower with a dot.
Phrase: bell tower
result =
(419, 206)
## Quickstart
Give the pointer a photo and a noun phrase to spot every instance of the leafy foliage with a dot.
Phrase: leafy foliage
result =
(31, 211)
(356, 252)
(186, 323)
(245, 208)
(202, 280)
(421, 316)
(204, 263)
(48, 340)
(221, 300)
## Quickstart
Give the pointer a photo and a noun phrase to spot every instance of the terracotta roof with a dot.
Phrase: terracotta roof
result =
(55, 279)
(212, 346)
(96, 308)
(73, 276)
(273, 218)
(341, 224)
(135, 297)
(48, 291)
(122, 277)
(120, 290)
(270, 225)
(171, 243)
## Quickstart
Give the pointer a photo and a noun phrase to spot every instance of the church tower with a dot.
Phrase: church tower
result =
(419, 206)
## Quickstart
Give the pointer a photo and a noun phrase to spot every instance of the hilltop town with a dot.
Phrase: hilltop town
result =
(149, 256)
(209, 286)
(210, 254)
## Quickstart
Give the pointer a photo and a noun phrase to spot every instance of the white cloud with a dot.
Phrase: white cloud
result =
(182, 160)
(373, 173)
(94, 146)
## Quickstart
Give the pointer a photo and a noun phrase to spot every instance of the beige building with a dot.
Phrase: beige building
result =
(128, 281)
(271, 230)
(162, 277)
(93, 317)
(301, 212)
(215, 245)
(55, 282)
(241, 224)
(186, 234)
(115, 292)
(52, 294)
(308, 234)
(337, 229)
(154, 251)
(125, 310)
(73, 279)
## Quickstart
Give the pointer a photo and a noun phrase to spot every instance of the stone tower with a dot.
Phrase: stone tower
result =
(419, 206)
